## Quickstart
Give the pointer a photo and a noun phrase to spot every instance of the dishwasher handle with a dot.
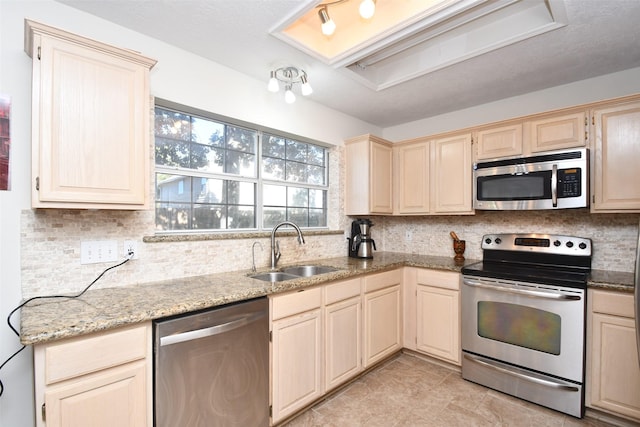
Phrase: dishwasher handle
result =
(212, 330)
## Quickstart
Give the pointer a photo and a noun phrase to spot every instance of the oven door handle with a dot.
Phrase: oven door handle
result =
(537, 294)
(520, 375)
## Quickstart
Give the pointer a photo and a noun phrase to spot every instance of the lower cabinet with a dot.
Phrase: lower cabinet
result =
(296, 353)
(343, 332)
(432, 310)
(382, 308)
(324, 336)
(613, 372)
(100, 380)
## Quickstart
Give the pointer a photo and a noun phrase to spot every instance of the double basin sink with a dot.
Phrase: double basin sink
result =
(296, 272)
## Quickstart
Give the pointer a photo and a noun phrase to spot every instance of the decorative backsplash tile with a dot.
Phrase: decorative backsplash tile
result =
(614, 236)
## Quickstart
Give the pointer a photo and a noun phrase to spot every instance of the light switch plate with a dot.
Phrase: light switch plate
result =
(95, 251)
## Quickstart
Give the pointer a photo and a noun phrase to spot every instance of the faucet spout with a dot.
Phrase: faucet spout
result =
(275, 246)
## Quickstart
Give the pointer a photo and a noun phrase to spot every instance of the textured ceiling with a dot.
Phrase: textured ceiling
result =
(602, 36)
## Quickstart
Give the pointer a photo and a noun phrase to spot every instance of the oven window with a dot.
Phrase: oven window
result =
(520, 325)
(530, 186)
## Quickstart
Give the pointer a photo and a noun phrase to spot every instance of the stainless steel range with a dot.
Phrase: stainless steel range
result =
(523, 324)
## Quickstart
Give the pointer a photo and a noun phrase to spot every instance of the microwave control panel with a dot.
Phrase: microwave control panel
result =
(569, 182)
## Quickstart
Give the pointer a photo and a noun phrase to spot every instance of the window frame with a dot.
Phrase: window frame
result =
(258, 180)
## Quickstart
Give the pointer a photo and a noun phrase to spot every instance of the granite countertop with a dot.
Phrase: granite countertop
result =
(103, 309)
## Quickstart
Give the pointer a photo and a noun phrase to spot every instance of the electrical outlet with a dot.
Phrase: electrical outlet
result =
(131, 245)
(95, 251)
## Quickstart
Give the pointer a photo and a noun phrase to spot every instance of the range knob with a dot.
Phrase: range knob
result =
(557, 243)
(569, 244)
(487, 241)
(498, 240)
(582, 245)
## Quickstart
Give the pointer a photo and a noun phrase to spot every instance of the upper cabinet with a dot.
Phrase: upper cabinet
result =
(615, 156)
(369, 188)
(411, 172)
(535, 134)
(558, 131)
(90, 122)
(502, 141)
(451, 174)
(434, 176)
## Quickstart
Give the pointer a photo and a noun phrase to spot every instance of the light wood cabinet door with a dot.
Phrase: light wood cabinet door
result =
(503, 141)
(382, 324)
(438, 325)
(369, 168)
(613, 373)
(296, 363)
(412, 176)
(343, 338)
(558, 132)
(90, 122)
(113, 397)
(615, 159)
(102, 379)
(451, 174)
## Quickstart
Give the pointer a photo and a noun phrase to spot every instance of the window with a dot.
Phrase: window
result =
(212, 175)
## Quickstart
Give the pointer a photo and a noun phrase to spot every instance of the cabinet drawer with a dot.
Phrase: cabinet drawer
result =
(91, 353)
(341, 291)
(295, 302)
(615, 303)
(382, 280)
(439, 279)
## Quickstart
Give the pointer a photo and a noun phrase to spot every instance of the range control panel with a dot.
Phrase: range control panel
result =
(539, 243)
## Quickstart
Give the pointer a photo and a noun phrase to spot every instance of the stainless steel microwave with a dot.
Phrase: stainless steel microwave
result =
(552, 180)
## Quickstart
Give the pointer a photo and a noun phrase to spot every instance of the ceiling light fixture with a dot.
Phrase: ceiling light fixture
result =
(289, 76)
(328, 26)
(367, 9)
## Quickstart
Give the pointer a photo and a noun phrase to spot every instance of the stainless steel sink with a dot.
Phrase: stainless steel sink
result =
(275, 276)
(308, 270)
(289, 273)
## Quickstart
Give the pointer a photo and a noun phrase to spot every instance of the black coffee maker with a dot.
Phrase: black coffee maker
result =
(361, 245)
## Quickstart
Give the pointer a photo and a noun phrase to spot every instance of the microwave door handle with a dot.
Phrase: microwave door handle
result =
(554, 186)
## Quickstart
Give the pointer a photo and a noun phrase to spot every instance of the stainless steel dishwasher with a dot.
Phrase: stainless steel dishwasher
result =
(211, 368)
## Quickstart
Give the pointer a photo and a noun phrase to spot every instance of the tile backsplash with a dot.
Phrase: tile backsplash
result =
(614, 236)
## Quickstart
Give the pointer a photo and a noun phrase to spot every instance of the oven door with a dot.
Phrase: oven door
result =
(536, 327)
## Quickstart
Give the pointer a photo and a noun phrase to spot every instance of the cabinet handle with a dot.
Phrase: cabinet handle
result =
(39, 52)
(43, 412)
(37, 183)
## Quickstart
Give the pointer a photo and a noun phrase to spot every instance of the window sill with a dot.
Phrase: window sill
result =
(230, 236)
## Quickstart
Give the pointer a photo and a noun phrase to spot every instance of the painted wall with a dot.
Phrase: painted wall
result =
(40, 242)
(582, 92)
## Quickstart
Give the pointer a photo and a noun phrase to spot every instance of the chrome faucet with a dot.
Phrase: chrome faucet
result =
(275, 246)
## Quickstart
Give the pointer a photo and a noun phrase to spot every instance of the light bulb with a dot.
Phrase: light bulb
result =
(273, 85)
(289, 96)
(305, 88)
(328, 26)
(367, 8)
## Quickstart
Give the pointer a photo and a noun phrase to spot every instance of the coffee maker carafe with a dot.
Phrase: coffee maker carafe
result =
(361, 245)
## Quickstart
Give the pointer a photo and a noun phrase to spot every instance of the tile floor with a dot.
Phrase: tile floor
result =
(411, 391)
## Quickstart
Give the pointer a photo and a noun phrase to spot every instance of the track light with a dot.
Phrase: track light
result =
(305, 88)
(328, 26)
(289, 76)
(289, 96)
(273, 85)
